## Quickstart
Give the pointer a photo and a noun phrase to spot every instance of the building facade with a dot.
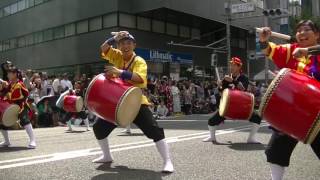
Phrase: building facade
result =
(312, 6)
(64, 36)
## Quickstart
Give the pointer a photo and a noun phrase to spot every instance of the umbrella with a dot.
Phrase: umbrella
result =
(52, 100)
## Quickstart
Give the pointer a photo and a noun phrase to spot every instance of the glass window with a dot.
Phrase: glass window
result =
(36, 2)
(127, 20)
(144, 23)
(157, 26)
(58, 32)
(48, 35)
(21, 41)
(29, 3)
(70, 29)
(13, 43)
(6, 11)
(172, 29)
(29, 39)
(184, 31)
(95, 24)
(82, 27)
(234, 43)
(242, 44)
(110, 20)
(21, 5)
(6, 45)
(38, 37)
(195, 33)
(14, 8)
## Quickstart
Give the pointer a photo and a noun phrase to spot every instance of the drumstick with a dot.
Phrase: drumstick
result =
(114, 33)
(314, 50)
(275, 34)
(217, 74)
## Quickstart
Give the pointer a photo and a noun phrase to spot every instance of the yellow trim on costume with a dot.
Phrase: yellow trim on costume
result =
(302, 63)
(301, 66)
(16, 86)
(273, 49)
(288, 52)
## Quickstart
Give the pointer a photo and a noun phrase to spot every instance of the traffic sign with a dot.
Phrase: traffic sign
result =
(243, 7)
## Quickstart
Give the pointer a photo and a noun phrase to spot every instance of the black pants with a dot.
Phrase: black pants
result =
(144, 121)
(216, 119)
(69, 115)
(281, 146)
(187, 109)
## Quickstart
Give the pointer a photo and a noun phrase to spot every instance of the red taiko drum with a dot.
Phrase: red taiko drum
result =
(72, 103)
(113, 100)
(291, 104)
(235, 104)
(8, 113)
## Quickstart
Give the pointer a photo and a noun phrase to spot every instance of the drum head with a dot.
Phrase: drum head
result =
(10, 116)
(273, 85)
(224, 102)
(79, 104)
(128, 106)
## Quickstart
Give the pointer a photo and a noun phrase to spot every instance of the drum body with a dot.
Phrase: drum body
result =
(235, 104)
(291, 104)
(73, 103)
(113, 100)
(8, 113)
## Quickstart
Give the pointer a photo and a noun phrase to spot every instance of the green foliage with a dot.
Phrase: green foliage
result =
(305, 14)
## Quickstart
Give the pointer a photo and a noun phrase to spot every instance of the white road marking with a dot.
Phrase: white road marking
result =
(116, 148)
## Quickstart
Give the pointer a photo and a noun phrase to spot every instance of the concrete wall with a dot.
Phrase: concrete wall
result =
(51, 14)
(209, 9)
(84, 48)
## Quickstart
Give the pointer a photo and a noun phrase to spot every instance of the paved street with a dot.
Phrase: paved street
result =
(63, 155)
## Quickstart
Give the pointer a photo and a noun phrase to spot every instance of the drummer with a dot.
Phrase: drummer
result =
(15, 92)
(237, 80)
(132, 68)
(71, 116)
(281, 146)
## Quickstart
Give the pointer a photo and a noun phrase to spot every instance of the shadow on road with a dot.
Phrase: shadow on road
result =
(75, 132)
(13, 149)
(247, 147)
(132, 134)
(123, 172)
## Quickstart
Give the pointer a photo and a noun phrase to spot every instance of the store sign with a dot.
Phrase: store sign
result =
(164, 56)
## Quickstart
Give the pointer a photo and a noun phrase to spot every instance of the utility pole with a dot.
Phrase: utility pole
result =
(227, 7)
(266, 64)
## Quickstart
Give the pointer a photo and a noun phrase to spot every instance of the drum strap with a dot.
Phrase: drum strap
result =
(126, 68)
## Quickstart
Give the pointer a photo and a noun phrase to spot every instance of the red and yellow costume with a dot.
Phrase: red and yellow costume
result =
(281, 55)
(17, 93)
(281, 146)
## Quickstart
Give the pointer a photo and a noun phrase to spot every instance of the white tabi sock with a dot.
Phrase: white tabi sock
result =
(106, 154)
(277, 171)
(163, 149)
(29, 130)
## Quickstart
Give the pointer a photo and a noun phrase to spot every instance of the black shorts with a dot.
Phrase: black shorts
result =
(144, 121)
(281, 146)
(216, 119)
